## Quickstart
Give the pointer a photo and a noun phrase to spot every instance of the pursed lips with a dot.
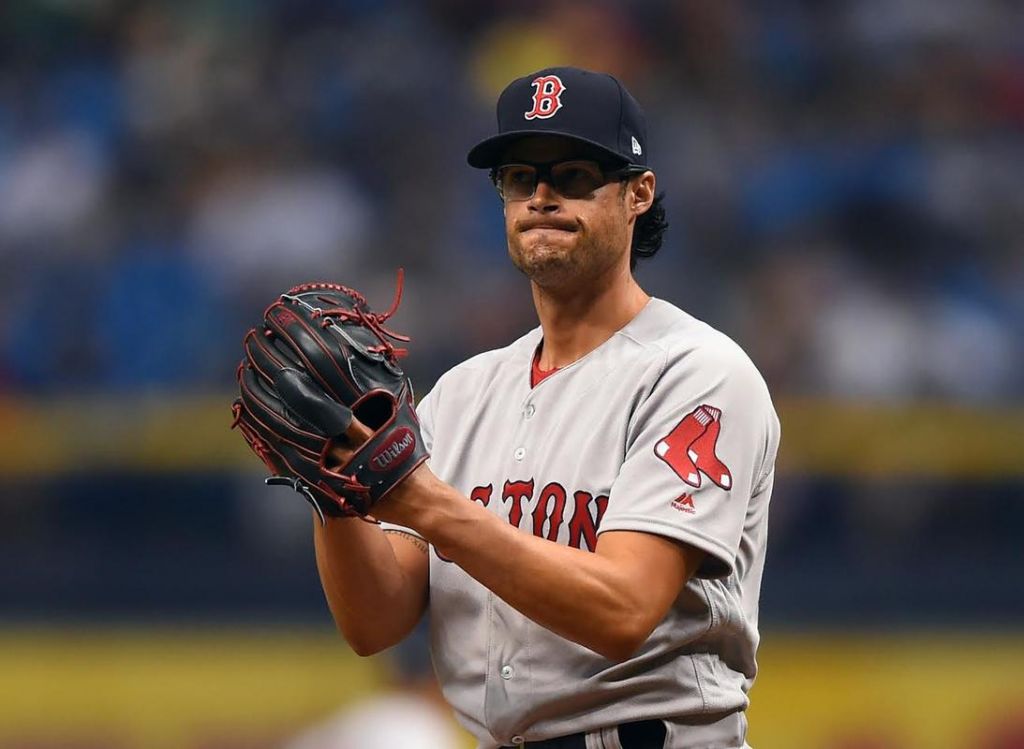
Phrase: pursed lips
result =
(525, 227)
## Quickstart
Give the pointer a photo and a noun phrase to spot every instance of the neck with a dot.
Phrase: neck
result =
(578, 320)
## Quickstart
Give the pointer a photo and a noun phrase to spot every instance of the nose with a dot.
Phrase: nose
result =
(544, 198)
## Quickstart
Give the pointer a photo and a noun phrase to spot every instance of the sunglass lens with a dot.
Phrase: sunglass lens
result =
(576, 179)
(516, 182)
(570, 179)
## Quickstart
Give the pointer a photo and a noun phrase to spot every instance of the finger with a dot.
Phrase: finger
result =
(358, 432)
(309, 401)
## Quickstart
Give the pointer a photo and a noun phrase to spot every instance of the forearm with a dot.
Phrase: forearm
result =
(375, 602)
(576, 594)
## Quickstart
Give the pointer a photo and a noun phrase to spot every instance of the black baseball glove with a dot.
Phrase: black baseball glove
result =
(320, 357)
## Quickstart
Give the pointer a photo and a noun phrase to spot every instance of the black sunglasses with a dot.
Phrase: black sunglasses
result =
(573, 179)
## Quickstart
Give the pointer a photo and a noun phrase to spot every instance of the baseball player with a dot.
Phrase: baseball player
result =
(589, 532)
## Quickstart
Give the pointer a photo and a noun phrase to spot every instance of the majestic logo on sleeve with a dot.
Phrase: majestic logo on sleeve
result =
(685, 504)
(547, 97)
(689, 449)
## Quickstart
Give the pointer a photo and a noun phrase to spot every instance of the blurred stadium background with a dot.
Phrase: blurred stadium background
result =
(844, 184)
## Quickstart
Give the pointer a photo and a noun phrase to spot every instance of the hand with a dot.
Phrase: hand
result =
(399, 506)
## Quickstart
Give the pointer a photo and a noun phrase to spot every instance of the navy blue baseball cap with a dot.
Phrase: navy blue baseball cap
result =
(593, 108)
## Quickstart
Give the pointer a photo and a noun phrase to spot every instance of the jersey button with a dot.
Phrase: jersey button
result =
(517, 740)
(507, 672)
(529, 411)
(519, 454)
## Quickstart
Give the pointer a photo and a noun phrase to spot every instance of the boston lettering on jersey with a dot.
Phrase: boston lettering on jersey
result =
(550, 510)
(581, 514)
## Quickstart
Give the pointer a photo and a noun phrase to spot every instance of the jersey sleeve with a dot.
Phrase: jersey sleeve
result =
(699, 447)
(425, 415)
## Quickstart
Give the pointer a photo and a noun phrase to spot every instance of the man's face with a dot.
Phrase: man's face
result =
(561, 242)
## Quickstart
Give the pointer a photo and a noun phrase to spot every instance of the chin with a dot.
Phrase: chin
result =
(549, 271)
(536, 249)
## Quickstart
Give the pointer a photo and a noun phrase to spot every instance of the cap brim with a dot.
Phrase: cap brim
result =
(487, 153)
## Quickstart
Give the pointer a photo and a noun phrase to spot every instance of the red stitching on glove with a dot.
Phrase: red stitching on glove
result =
(374, 321)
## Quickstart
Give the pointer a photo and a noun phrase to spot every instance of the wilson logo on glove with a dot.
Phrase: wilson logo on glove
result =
(394, 452)
(285, 318)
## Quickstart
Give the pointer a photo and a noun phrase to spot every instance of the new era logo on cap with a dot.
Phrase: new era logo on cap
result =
(593, 108)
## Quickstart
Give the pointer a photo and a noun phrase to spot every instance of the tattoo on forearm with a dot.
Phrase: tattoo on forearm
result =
(416, 541)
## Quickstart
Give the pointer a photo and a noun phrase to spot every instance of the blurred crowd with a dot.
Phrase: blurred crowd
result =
(842, 179)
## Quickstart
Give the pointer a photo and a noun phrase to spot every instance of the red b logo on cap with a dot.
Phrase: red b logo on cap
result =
(547, 98)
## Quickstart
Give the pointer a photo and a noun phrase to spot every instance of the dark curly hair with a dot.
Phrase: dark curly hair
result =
(649, 231)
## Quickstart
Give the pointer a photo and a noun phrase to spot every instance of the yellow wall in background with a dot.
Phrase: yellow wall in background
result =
(185, 689)
(907, 691)
(192, 433)
(135, 688)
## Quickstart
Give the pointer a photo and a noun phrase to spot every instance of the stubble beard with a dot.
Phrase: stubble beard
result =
(558, 267)
(546, 264)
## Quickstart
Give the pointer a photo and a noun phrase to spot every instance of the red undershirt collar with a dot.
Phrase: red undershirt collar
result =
(537, 374)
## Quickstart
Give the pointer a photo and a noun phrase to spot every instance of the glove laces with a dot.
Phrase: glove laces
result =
(360, 313)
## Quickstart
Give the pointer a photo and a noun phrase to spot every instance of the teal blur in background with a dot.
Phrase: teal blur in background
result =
(843, 185)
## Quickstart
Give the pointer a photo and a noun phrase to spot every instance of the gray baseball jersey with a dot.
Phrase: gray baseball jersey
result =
(666, 428)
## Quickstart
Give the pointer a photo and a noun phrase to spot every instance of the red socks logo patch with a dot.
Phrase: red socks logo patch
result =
(689, 449)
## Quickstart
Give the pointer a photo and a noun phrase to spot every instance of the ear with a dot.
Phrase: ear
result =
(641, 193)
